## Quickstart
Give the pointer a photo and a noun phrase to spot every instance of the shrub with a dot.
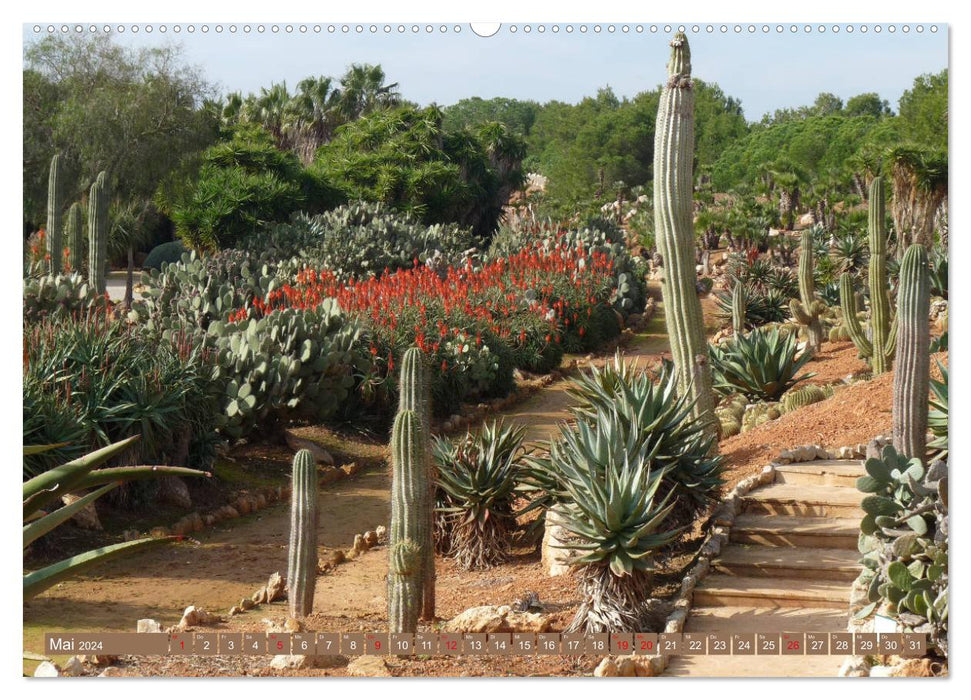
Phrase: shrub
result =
(761, 365)
(90, 382)
(170, 252)
(477, 478)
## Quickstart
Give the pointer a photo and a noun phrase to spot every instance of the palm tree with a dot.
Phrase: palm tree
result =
(919, 177)
(786, 179)
(311, 116)
(363, 90)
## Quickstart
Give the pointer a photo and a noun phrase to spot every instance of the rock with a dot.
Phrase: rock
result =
(208, 520)
(350, 469)
(259, 597)
(370, 538)
(555, 557)
(321, 456)
(329, 476)
(260, 501)
(243, 505)
(283, 662)
(381, 532)
(626, 667)
(496, 619)
(46, 669)
(914, 668)
(368, 666)
(234, 610)
(87, 517)
(229, 512)
(193, 617)
(359, 545)
(130, 535)
(148, 625)
(292, 625)
(159, 532)
(607, 668)
(275, 587)
(854, 667)
(246, 604)
(111, 672)
(72, 667)
(881, 671)
(180, 528)
(173, 490)
(101, 660)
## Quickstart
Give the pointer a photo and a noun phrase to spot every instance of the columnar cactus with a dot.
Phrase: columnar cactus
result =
(54, 233)
(302, 560)
(807, 309)
(74, 228)
(673, 156)
(97, 236)
(877, 345)
(410, 537)
(738, 308)
(911, 378)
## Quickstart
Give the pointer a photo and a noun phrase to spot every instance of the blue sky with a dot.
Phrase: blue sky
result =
(765, 71)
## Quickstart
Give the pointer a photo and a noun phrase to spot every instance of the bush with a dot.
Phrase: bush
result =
(170, 252)
(761, 366)
(90, 382)
(364, 239)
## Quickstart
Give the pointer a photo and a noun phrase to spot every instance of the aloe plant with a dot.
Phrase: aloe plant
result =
(79, 474)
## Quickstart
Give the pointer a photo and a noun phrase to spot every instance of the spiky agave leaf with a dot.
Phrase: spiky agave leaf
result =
(937, 417)
(762, 365)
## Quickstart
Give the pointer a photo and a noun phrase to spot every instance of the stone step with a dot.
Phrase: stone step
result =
(804, 500)
(791, 531)
(749, 620)
(806, 563)
(720, 589)
(823, 472)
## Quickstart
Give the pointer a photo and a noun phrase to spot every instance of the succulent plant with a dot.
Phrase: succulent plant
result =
(74, 230)
(738, 308)
(912, 367)
(673, 161)
(762, 365)
(97, 236)
(877, 345)
(61, 295)
(805, 396)
(761, 308)
(808, 309)
(302, 559)
(45, 490)
(937, 416)
(478, 477)
(55, 211)
(904, 543)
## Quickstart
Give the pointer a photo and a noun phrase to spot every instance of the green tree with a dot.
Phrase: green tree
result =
(867, 104)
(923, 110)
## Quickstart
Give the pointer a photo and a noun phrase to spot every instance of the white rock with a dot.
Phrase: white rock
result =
(275, 587)
(148, 625)
(368, 666)
(607, 668)
(46, 669)
(854, 667)
(72, 667)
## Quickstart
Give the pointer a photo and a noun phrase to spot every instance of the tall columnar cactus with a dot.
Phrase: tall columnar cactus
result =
(97, 236)
(74, 228)
(738, 308)
(911, 378)
(877, 345)
(673, 156)
(410, 537)
(414, 395)
(302, 560)
(54, 232)
(807, 309)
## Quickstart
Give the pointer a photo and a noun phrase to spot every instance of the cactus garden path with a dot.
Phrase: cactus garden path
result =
(787, 569)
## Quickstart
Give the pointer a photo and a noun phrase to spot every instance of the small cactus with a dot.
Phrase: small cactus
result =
(54, 233)
(804, 396)
(738, 308)
(74, 229)
(807, 310)
(302, 561)
(877, 345)
(911, 378)
(404, 589)
(97, 236)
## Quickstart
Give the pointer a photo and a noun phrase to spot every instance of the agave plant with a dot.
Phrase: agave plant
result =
(850, 254)
(606, 492)
(45, 490)
(653, 412)
(938, 415)
(477, 481)
(760, 307)
(938, 274)
(762, 365)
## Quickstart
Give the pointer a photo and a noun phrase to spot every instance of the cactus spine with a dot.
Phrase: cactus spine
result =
(410, 537)
(97, 235)
(879, 346)
(808, 309)
(54, 233)
(673, 156)
(911, 376)
(74, 228)
(302, 560)
(413, 395)
(738, 308)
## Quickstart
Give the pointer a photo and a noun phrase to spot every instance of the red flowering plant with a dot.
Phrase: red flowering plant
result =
(476, 323)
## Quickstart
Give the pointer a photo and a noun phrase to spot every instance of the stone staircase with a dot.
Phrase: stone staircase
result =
(788, 567)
